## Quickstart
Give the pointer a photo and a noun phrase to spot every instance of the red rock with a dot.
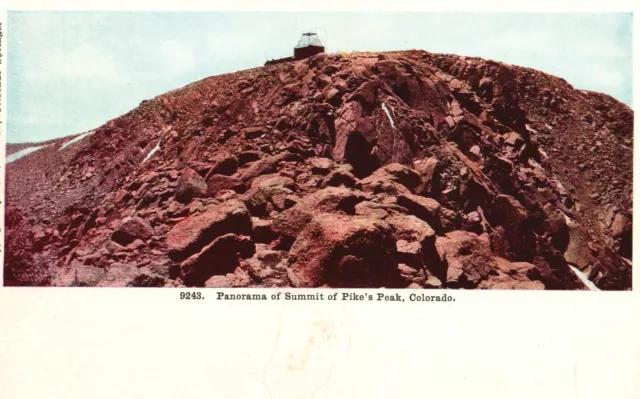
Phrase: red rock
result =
(248, 156)
(511, 276)
(223, 164)
(130, 229)
(192, 234)
(239, 278)
(272, 180)
(409, 252)
(190, 185)
(493, 143)
(268, 267)
(219, 257)
(410, 228)
(343, 251)
(514, 140)
(267, 165)
(509, 211)
(475, 153)
(427, 169)
(217, 183)
(320, 166)
(467, 256)
(392, 179)
(128, 275)
(360, 144)
(122, 195)
(265, 193)
(425, 208)
(558, 227)
(620, 224)
(371, 209)
(262, 230)
(253, 132)
(330, 199)
(323, 81)
(339, 178)
(577, 251)
(79, 275)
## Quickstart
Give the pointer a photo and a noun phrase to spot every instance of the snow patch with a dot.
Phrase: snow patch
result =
(150, 154)
(75, 140)
(26, 151)
(386, 111)
(584, 279)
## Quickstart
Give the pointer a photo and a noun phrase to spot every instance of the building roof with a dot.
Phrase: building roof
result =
(309, 39)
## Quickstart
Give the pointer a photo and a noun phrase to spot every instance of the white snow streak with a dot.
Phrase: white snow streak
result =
(26, 151)
(386, 111)
(584, 279)
(75, 140)
(153, 151)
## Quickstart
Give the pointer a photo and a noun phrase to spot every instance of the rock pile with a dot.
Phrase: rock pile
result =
(403, 169)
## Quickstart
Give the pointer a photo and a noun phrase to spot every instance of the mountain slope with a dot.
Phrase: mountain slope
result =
(346, 170)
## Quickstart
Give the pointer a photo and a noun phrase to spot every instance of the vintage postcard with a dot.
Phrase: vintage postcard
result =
(327, 158)
(357, 163)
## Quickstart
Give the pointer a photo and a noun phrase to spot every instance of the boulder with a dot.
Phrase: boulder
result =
(357, 140)
(425, 208)
(272, 180)
(331, 199)
(475, 153)
(620, 225)
(262, 230)
(193, 233)
(558, 227)
(512, 276)
(404, 175)
(467, 257)
(267, 194)
(268, 267)
(130, 229)
(413, 234)
(509, 212)
(513, 139)
(392, 179)
(78, 275)
(219, 257)
(253, 132)
(428, 171)
(129, 275)
(217, 183)
(248, 156)
(409, 253)
(267, 165)
(577, 251)
(239, 278)
(190, 185)
(320, 166)
(223, 164)
(344, 251)
(337, 178)
(371, 209)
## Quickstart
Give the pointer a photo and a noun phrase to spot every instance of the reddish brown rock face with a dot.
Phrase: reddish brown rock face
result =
(195, 232)
(344, 251)
(403, 169)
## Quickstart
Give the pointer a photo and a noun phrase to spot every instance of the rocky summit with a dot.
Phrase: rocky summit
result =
(399, 170)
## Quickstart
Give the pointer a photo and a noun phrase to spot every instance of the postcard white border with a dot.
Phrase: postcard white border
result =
(126, 343)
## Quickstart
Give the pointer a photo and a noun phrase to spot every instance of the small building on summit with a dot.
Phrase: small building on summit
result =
(308, 45)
